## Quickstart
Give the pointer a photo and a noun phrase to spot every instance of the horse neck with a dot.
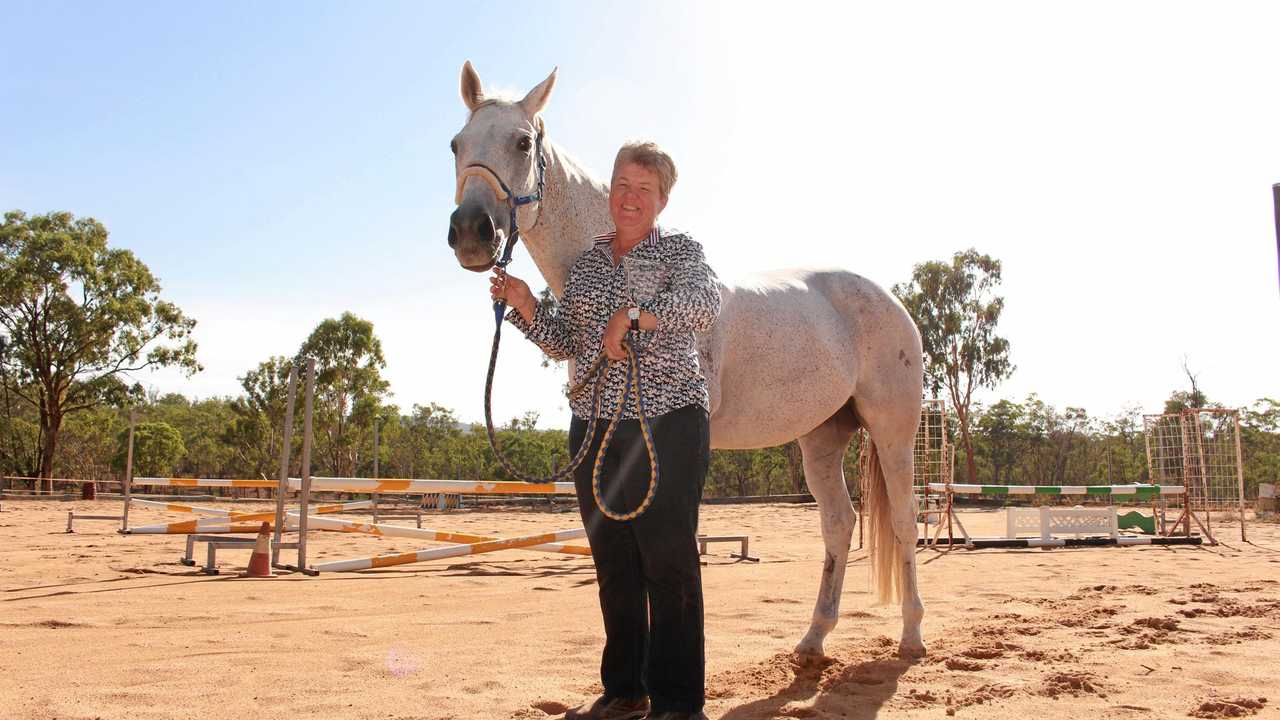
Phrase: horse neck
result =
(574, 209)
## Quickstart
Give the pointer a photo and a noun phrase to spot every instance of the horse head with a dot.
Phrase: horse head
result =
(496, 160)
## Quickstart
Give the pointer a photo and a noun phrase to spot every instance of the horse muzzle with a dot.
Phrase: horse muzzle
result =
(474, 237)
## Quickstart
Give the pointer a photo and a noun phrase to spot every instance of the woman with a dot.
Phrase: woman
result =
(647, 568)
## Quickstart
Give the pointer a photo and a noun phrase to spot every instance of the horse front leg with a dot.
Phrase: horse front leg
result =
(823, 452)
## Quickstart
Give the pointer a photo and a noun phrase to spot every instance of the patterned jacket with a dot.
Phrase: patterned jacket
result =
(665, 274)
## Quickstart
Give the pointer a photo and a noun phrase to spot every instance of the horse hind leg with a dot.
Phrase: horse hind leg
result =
(892, 523)
(823, 451)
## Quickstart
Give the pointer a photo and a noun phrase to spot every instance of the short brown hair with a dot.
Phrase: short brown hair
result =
(650, 156)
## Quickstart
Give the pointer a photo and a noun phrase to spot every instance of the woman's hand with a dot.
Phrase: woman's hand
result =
(614, 333)
(514, 291)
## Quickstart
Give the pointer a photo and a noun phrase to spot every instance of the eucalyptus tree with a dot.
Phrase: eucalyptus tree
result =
(157, 449)
(79, 316)
(1003, 429)
(255, 430)
(955, 307)
(348, 371)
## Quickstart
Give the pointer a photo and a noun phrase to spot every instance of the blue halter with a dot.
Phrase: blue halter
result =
(514, 202)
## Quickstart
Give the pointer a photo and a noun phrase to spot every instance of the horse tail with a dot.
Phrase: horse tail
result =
(882, 545)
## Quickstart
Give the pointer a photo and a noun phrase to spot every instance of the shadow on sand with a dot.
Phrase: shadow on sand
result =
(855, 690)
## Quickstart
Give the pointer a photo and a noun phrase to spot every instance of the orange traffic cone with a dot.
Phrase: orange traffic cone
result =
(260, 560)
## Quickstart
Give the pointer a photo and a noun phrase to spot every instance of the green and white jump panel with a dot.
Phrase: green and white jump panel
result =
(1010, 543)
(1138, 492)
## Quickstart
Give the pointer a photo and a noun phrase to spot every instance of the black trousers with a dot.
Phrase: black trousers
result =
(648, 569)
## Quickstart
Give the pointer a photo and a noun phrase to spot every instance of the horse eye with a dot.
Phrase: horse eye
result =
(525, 144)
(453, 146)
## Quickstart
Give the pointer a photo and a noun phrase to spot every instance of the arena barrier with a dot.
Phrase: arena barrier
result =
(1139, 492)
(450, 551)
(1046, 520)
(1122, 541)
(307, 513)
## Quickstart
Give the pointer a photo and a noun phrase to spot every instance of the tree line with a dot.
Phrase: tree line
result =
(77, 317)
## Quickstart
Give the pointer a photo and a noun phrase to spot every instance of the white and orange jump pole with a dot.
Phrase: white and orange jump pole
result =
(450, 551)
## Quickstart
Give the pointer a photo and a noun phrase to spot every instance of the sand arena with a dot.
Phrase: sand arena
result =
(99, 625)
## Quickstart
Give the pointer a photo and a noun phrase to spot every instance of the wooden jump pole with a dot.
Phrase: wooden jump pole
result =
(286, 448)
(375, 464)
(1240, 476)
(304, 499)
(128, 473)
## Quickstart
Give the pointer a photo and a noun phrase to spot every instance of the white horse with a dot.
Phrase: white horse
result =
(808, 354)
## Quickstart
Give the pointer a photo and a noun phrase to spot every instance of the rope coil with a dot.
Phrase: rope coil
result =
(598, 372)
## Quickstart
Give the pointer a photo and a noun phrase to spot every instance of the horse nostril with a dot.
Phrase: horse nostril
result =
(453, 236)
(484, 229)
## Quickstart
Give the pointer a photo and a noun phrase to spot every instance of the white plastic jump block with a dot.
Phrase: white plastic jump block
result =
(1048, 521)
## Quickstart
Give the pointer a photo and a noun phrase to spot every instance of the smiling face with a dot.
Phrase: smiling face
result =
(635, 200)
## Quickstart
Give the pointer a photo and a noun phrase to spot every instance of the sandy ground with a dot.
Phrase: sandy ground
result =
(99, 625)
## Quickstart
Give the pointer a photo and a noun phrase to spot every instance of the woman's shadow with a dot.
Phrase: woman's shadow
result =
(857, 690)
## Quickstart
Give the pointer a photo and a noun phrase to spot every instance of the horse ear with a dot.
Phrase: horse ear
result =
(472, 90)
(536, 100)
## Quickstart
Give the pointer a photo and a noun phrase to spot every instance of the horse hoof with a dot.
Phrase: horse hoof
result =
(911, 651)
(809, 650)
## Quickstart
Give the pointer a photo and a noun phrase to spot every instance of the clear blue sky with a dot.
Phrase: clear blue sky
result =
(278, 163)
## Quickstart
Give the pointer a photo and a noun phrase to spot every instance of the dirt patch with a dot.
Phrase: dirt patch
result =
(1053, 656)
(1096, 590)
(984, 652)
(983, 694)
(915, 699)
(1236, 637)
(1169, 624)
(1240, 707)
(1074, 684)
(1232, 608)
(1090, 618)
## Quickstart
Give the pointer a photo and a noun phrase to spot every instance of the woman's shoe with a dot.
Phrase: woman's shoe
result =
(606, 708)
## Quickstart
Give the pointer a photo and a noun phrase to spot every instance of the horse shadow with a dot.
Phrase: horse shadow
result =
(857, 691)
